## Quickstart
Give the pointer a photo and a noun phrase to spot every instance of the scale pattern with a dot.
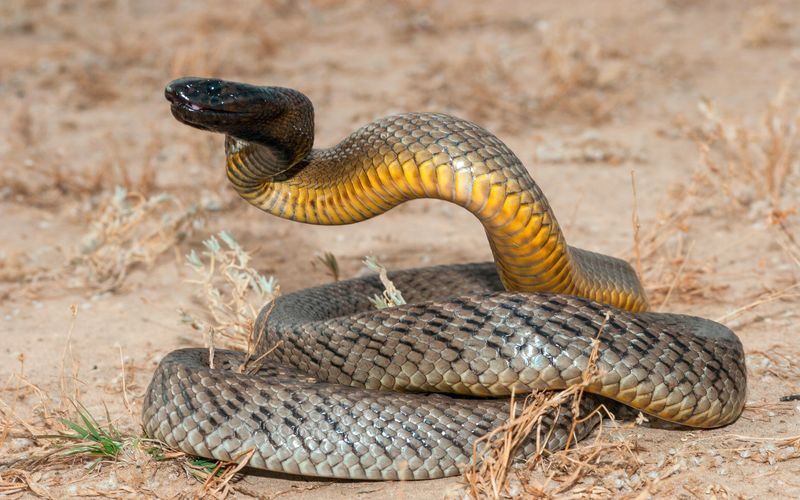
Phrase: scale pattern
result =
(428, 155)
(403, 393)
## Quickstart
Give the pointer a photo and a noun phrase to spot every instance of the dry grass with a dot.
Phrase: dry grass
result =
(391, 296)
(662, 257)
(55, 446)
(233, 294)
(20, 267)
(584, 75)
(474, 96)
(754, 165)
(576, 59)
(330, 263)
(777, 363)
(217, 478)
(129, 231)
(672, 271)
(563, 71)
(490, 472)
(48, 179)
(747, 169)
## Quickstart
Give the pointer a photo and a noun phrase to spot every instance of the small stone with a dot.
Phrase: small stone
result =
(109, 484)
(20, 444)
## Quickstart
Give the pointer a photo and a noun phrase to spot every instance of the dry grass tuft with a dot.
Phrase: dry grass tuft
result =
(217, 479)
(391, 296)
(131, 230)
(671, 271)
(233, 293)
(330, 263)
(51, 450)
(575, 59)
(749, 170)
(662, 257)
(582, 73)
(19, 267)
(755, 166)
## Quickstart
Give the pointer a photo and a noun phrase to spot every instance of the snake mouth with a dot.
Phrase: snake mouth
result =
(191, 113)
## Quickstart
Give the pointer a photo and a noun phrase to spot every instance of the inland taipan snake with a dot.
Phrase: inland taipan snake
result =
(354, 392)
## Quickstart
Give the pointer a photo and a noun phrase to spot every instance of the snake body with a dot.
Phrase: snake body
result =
(403, 393)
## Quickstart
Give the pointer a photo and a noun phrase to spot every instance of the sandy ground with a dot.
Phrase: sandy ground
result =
(584, 92)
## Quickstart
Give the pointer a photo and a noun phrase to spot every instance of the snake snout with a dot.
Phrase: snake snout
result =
(211, 94)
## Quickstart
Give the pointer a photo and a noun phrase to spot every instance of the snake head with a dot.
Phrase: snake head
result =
(219, 105)
(275, 117)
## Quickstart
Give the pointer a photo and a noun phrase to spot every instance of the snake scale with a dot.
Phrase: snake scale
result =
(404, 392)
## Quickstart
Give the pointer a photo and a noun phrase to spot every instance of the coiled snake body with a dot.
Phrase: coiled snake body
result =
(404, 392)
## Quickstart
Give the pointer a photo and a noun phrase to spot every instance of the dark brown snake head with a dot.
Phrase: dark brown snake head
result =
(263, 115)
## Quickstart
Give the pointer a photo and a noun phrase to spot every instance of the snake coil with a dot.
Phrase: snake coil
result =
(404, 392)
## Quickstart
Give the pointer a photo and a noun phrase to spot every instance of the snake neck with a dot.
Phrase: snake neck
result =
(421, 155)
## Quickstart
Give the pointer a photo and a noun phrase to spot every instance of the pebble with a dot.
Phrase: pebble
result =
(109, 484)
(20, 444)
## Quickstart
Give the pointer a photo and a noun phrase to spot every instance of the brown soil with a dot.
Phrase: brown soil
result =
(584, 92)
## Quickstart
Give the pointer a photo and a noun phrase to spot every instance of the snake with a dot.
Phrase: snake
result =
(349, 391)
